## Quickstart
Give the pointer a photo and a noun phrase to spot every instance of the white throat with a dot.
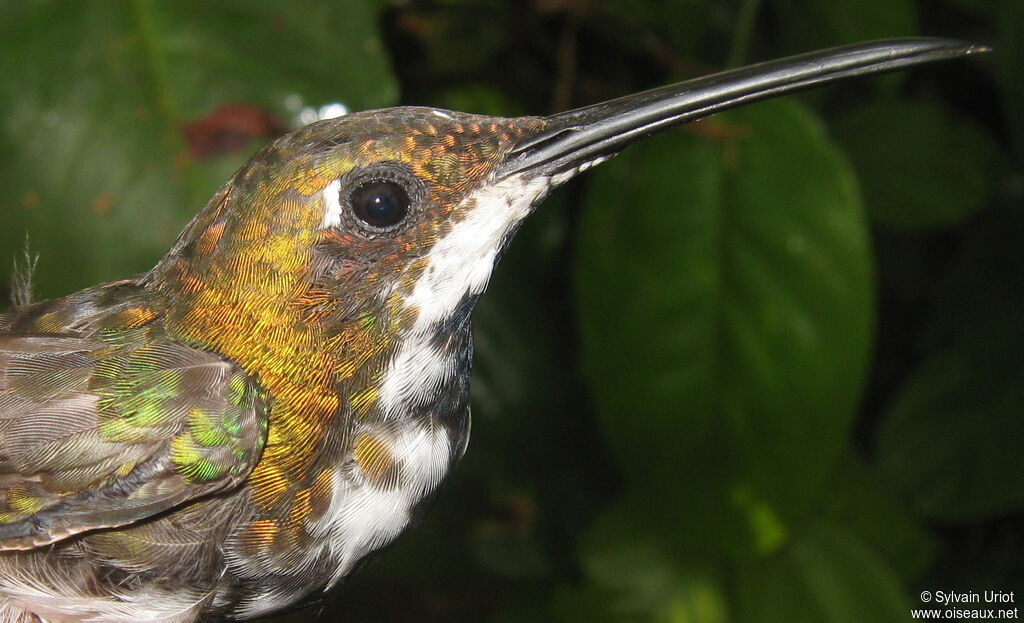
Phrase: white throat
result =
(461, 262)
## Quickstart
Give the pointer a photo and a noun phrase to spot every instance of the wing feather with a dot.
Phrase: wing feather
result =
(96, 434)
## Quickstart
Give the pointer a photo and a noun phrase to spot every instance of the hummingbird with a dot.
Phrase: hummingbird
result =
(231, 433)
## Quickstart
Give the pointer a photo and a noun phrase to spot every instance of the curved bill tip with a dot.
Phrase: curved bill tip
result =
(575, 140)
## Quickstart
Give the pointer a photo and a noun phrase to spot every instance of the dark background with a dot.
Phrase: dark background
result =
(766, 367)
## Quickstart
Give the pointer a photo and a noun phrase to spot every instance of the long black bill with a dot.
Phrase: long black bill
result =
(579, 137)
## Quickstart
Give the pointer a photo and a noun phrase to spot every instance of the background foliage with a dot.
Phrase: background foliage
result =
(763, 368)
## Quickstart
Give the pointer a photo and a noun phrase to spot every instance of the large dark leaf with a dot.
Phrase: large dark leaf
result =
(725, 297)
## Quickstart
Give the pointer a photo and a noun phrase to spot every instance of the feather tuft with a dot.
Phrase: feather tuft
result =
(21, 277)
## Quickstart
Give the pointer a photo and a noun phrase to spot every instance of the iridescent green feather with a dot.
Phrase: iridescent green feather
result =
(104, 408)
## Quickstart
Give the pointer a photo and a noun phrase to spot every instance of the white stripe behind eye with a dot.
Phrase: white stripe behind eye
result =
(332, 205)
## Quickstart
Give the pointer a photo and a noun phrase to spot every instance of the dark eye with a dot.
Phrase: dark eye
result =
(380, 203)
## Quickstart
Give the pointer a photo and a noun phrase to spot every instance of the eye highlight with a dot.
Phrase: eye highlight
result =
(379, 203)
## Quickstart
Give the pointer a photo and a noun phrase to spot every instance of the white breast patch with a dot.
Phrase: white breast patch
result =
(365, 517)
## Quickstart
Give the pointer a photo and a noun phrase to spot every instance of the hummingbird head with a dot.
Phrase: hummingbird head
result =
(396, 214)
(394, 219)
(415, 210)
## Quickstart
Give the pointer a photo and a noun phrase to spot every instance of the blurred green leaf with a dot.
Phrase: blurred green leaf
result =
(633, 579)
(838, 565)
(825, 575)
(951, 442)
(919, 167)
(96, 96)
(856, 500)
(724, 294)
